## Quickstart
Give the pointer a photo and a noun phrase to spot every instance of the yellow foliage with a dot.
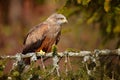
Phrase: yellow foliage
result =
(16, 73)
(90, 20)
(93, 18)
(107, 5)
(79, 1)
(117, 29)
(109, 29)
(117, 10)
(85, 2)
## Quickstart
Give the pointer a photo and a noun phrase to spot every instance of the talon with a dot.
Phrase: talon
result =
(41, 52)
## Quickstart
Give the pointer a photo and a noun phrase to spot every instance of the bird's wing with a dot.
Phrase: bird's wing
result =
(36, 33)
(35, 37)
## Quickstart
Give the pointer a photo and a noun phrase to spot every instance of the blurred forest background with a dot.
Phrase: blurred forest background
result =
(92, 23)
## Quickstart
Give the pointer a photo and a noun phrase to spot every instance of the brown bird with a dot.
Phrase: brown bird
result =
(44, 35)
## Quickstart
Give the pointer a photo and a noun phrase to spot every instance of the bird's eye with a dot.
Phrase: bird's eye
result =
(60, 18)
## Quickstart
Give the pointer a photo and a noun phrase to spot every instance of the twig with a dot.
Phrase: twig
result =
(42, 63)
(69, 63)
(55, 64)
(66, 68)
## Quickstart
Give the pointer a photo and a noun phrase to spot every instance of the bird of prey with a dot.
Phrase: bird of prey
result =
(44, 35)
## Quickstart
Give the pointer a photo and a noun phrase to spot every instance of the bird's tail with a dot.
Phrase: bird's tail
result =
(27, 50)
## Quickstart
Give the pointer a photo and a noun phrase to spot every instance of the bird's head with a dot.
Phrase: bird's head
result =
(57, 19)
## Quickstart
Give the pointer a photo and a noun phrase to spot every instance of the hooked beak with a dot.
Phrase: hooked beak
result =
(65, 21)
